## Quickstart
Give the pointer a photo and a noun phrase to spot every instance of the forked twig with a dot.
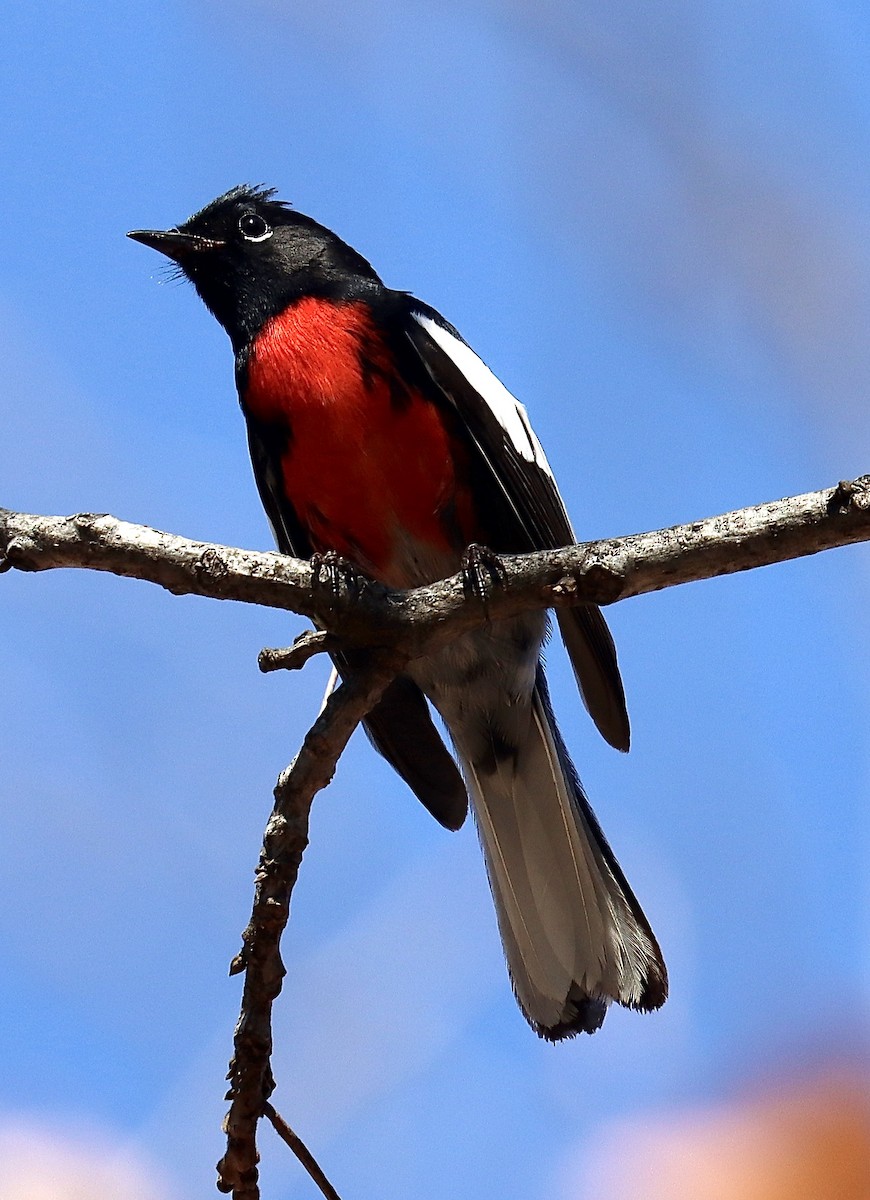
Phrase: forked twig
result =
(285, 839)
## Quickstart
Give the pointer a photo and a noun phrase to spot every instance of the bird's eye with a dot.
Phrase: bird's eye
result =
(253, 228)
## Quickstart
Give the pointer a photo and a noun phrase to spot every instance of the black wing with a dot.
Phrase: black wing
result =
(400, 726)
(526, 511)
(267, 443)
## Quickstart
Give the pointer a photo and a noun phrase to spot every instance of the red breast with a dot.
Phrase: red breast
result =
(369, 467)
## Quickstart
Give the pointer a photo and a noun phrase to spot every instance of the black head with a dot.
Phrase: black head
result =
(250, 255)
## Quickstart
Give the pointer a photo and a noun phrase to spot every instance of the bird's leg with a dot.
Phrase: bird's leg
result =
(481, 570)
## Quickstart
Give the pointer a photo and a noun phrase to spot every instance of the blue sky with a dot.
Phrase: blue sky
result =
(652, 222)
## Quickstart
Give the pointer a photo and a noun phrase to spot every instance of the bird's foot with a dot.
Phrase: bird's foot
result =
(335, 574)
(481, 570)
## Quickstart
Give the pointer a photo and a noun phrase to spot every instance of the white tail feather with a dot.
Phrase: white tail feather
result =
(574, 935)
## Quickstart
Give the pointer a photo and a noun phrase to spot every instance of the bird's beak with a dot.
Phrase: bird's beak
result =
(174, 244)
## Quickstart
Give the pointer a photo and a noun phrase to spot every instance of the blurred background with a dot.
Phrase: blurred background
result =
(652, 221)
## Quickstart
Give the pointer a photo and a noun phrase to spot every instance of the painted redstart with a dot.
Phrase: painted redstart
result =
(376, 433)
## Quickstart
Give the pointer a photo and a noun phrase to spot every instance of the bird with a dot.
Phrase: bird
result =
(380, 439)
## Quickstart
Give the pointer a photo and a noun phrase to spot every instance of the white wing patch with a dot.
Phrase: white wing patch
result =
(511, 415)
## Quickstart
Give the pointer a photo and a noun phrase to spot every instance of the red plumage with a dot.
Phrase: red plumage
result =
(366, 466)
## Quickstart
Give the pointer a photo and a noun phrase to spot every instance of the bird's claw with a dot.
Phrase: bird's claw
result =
(481, 570)
(331, 572)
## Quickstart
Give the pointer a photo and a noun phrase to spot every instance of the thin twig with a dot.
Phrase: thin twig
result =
(296, 1144)
(286, 836)
(293, 658)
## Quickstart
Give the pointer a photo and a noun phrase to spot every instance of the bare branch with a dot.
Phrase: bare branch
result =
(286, 836)
(598, 572)
(395, 627)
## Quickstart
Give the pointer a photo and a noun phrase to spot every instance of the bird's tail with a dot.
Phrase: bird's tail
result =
(574, 935)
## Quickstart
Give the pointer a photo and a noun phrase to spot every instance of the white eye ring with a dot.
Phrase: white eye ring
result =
(254, 228)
